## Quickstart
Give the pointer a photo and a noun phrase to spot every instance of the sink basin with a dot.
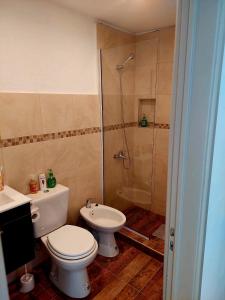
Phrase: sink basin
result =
(10, 198)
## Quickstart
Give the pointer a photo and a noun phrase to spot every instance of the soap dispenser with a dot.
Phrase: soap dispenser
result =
(144, 121)
(51, 180)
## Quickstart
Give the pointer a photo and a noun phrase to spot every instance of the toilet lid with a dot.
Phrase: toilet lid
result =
(71, 242)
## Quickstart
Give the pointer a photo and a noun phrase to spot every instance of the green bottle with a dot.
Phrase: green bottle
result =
(51, 180)
(144, 122)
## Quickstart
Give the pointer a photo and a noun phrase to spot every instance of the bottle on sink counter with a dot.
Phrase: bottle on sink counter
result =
(33, 184)
(42, 182)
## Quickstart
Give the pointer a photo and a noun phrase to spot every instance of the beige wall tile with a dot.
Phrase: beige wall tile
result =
(166, 44)
(113, 175)
(112, 113)
(164, 79)
(56, 112)
(145, 80)
(110, 59)
(76, 163)
(154, 57)
(142, 156)
(129, 108)
(147, 36)
(67, 112)
(69, 155)
(163, 109)
(85, 111)
(160, 171)
(86, 183)
(108, 37)
(21, 162)
(146, 52)
(110, 81)
(20, 115)
(112, 110)
(60, 156)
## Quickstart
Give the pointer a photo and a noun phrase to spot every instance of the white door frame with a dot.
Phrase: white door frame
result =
(3, 281)
(197, 71)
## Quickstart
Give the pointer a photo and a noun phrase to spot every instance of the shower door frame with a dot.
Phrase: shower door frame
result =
(101, 99)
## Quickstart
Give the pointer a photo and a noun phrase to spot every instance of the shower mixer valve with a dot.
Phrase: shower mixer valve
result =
(120, 155)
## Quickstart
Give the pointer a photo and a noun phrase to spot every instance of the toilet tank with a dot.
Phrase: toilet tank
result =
(49, 209)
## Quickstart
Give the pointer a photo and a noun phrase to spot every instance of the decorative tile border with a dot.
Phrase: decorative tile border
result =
(48, 136)
(119, 126)
(70, 133)
(161, 126)
(135, 124)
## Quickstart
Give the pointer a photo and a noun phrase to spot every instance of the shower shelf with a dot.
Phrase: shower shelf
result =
(146, 107)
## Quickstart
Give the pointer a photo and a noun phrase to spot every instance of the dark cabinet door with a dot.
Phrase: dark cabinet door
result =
(17, 238)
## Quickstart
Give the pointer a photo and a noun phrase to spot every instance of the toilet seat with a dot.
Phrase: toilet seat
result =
(71, 242)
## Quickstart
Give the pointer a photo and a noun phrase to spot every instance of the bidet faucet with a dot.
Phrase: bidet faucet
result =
(88, 202)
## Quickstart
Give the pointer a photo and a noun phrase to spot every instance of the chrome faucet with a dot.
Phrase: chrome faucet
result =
(120, 155)
(88, 202)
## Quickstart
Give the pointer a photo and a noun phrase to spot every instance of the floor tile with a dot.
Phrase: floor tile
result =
(154, 289)
(144, 222)
(146, 274)
(125, 277)
(134, 267)
(128, 292)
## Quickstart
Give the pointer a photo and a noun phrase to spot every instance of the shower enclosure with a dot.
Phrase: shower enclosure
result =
(136, 91)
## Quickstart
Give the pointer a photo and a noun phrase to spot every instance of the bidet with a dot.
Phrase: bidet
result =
(105, 221)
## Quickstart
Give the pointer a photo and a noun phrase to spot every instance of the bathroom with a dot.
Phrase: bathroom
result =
(53, 115)
(87, 92)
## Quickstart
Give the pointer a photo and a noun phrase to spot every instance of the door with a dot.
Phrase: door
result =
(197, 75)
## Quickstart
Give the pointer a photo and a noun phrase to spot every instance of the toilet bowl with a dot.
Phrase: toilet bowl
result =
(71, 249)
(104, 221)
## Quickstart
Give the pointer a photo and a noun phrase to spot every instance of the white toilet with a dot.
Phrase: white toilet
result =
(105, 221)
(71, 248)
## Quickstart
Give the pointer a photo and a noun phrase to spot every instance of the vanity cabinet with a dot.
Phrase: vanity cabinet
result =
(17, 237)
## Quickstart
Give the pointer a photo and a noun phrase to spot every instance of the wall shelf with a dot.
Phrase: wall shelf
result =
(147, 107)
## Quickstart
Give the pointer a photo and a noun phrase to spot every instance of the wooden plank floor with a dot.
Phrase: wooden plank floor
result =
(131, 275)
(144, 222)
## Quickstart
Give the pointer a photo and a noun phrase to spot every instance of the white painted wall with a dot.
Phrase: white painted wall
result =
(213, 277)
(46, 48)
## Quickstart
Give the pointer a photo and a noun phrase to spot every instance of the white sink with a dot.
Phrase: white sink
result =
(10, 198)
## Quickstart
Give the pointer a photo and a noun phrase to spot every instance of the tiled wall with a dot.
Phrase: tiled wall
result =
(153, 79)
(148, 76)
(115, 46)
(58, 131)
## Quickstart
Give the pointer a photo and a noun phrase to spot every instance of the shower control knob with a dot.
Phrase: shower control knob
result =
(120, 155)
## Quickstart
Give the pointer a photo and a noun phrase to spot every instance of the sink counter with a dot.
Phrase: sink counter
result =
(10, 198)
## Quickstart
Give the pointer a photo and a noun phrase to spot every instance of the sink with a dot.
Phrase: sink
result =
(10, 198)
(4, 199)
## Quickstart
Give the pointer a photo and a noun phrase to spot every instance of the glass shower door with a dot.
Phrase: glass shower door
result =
(131, 137)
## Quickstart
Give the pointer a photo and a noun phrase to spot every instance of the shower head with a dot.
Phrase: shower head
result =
(130, 57)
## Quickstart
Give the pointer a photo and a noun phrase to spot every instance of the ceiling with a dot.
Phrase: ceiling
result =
(135, 16)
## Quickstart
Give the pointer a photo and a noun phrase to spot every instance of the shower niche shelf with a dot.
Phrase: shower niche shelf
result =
(146, 107)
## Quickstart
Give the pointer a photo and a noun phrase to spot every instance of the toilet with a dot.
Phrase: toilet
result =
(105, 221)
(71, 248)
